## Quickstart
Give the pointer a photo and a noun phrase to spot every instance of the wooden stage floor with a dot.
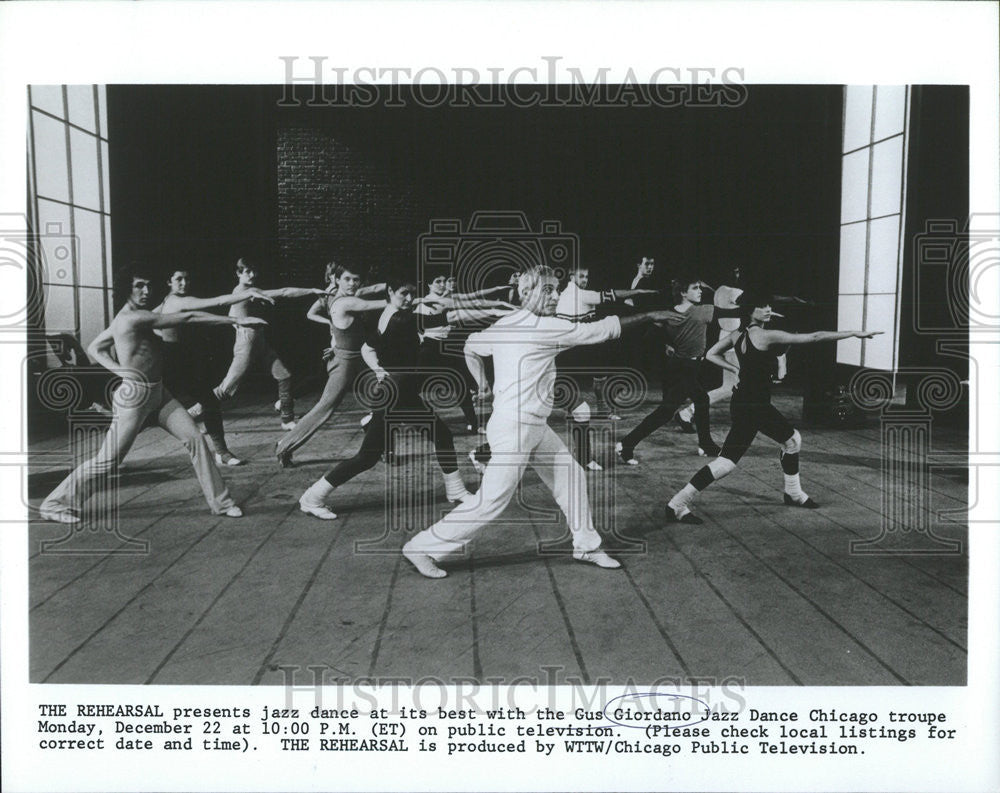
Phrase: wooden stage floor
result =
(761, 593)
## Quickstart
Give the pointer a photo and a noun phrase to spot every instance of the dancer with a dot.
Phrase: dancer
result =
(252, 344)
(524, 345)
(141, 396)
(725, 297)
(184, 364)
(579, 304)
(392, 354)
(345, 310)
(433, 351)
(687, 326)
(751, 407)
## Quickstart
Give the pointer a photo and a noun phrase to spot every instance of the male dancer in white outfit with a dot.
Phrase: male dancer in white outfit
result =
(524, 345)
(141, 395)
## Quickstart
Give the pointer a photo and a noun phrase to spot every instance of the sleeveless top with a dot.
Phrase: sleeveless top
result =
(755, 367)
(350, 339)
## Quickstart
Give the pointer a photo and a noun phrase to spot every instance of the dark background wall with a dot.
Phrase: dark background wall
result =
(202, 175)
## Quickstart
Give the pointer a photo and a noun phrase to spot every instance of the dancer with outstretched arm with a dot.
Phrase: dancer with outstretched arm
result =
(251, 344)
(524, 346)
(142, 395)
(184, 364)
(751, 408)
(392, 353)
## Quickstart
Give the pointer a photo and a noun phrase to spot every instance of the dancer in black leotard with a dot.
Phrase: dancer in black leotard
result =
(751, 408)
(392, 351)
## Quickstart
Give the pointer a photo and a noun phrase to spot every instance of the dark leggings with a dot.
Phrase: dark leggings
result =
(680, 382)
(433, 355)
(752, 415)
(409, 408)
(184, 377)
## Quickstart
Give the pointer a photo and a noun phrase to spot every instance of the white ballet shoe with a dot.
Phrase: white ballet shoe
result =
(426, 566)
(196, 410)
(598, 557)
(316, 508)
(228, 458)
(277, 406)
(289, 425)
(233, 512)
(365, 419)
(593, 465)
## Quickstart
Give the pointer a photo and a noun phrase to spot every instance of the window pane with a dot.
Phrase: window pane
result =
(849, 309)
(91, 314)
(857, 116)
(890, 107)
(107, 249)
(48, 98)
(102, 109)
(88, 232)
(854, 187)
(86, 188)
(55, 241)
(887, 177)
(50, 157)
(105, 169)
(80, 99)
(852, 258)
(883, 255)
(881, 316)
(59, 312)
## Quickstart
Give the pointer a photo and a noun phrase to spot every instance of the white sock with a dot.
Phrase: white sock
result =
(687, 414)
(454, 487)
(683, 498)
(793, 487)
(318, 491)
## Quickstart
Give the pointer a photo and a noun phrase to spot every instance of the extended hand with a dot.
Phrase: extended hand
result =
(248, 321)
(328, 353)
(868, 334)
(256, 294)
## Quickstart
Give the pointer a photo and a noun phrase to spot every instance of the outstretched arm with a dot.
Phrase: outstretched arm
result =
(200, 303)
(481, 293)
(371, 289)
(718, 351)
(773, 338)
(625, 294)
(157, 321)
(355, 305)
(293, 291)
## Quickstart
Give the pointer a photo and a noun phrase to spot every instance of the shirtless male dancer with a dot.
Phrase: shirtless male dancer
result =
(140, 397)
(751, 407)
(252, 344)
(184, 366)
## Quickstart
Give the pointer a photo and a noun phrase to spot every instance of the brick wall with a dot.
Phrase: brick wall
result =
(336, 203)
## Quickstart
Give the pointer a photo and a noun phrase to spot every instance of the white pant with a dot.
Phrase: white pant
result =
(515, 445)
(134, 402)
